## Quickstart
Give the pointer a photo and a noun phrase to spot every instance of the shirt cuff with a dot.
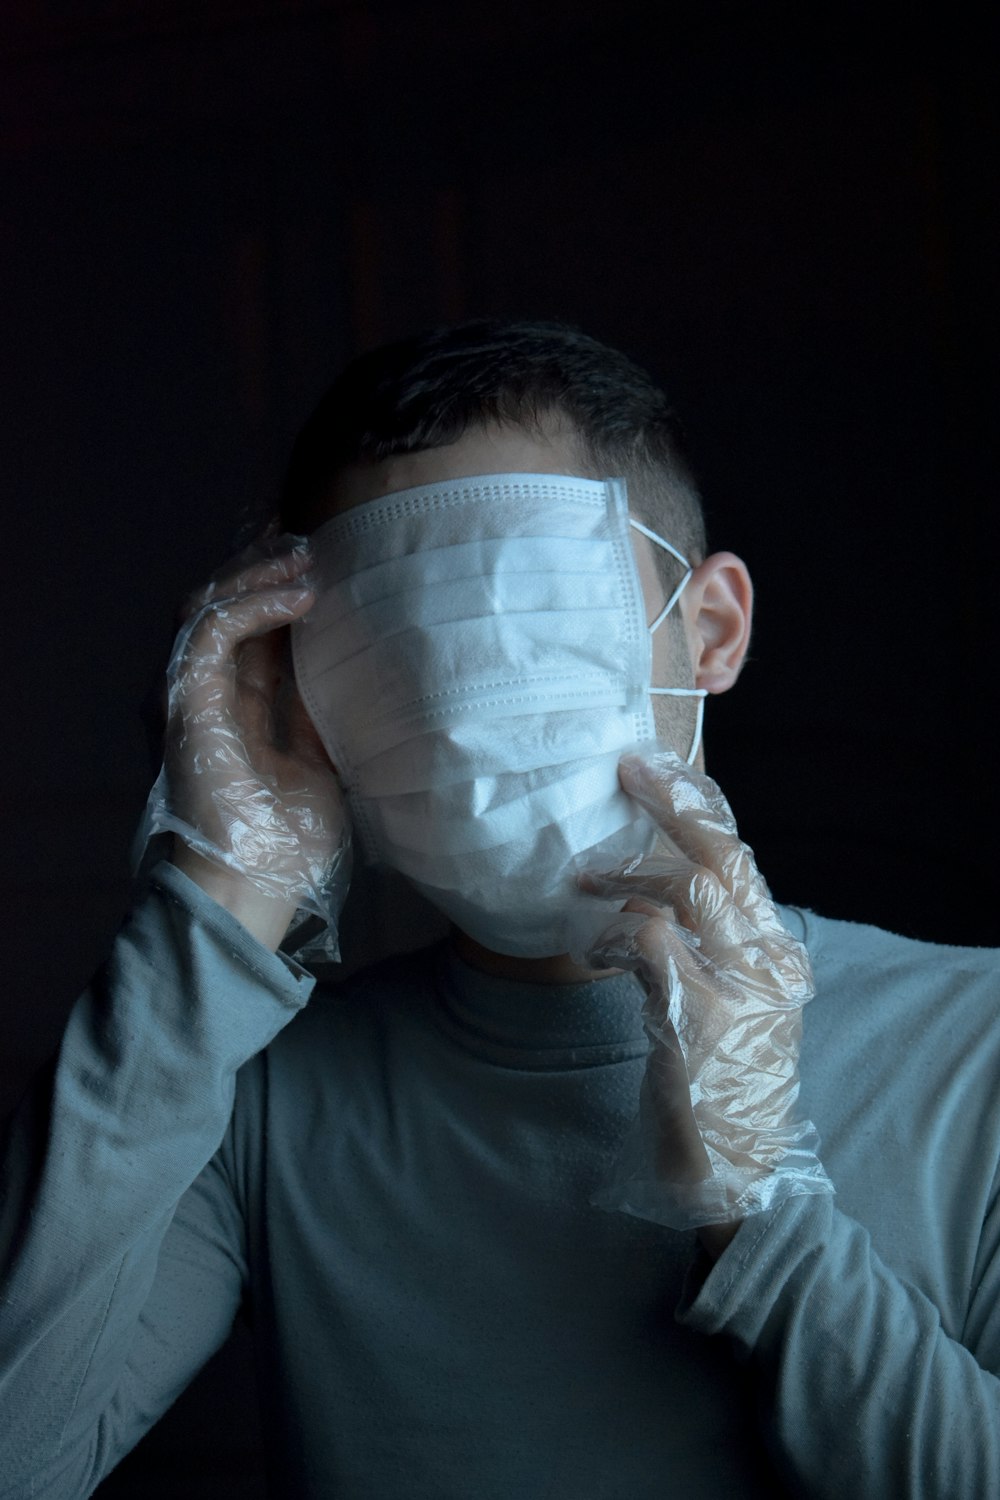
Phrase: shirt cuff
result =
(736, 1293)
(288, 979)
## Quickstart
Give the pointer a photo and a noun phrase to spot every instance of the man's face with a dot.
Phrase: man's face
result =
(512, 450)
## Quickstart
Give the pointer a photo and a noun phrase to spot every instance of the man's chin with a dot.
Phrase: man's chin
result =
(556, 968)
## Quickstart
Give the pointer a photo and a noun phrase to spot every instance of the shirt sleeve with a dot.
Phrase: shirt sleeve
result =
(121, 1244)
(862, 1392)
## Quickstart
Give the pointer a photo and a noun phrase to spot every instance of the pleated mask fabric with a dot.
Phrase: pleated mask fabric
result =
(476, 662)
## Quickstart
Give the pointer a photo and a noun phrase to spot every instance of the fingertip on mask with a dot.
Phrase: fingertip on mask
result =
(641, 772)
(637, 776)
(632, 767)
(596, 953)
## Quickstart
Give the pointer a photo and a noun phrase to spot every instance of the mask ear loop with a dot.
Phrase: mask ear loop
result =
(700, 693)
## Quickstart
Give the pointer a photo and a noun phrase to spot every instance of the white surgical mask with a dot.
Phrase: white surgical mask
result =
(476, 662)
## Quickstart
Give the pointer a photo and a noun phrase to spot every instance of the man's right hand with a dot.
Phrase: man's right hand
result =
(263, 828)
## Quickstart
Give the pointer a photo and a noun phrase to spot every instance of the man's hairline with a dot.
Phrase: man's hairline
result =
(533, 424)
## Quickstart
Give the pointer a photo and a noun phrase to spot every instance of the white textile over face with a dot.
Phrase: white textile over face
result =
(476, 663)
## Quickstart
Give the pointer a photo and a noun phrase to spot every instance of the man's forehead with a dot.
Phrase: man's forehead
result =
(492, 449)
(478, 452)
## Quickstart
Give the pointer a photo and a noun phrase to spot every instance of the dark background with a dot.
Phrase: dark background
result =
(788, 213)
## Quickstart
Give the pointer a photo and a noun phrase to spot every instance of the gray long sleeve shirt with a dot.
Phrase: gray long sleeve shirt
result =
(394, 1185)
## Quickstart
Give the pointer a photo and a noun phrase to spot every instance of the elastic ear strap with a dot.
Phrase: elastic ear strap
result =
(659, 541)
(678, 591)
(701, 694)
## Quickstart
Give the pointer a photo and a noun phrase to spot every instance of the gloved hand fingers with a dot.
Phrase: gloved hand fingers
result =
(644, 940)
(245, 779)
(203, 668)
(258, 679)
(666, 1114)
(222, 624)
(690, 809)
(303, 736)
(696, 896)
(686, 997)
(739, 1046)
(685, 805)
(725, 983)
(717, 891)
(768, 962)
(268, 562)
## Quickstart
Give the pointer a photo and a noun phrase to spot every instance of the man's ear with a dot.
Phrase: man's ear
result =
(717, 607)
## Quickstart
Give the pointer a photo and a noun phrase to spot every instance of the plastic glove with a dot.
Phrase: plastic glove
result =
(245, 781)
(716, 1137)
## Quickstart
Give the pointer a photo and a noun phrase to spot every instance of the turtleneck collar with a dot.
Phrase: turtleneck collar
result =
(516, 1024)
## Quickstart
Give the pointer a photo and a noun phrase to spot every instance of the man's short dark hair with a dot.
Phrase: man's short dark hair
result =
(425, 391)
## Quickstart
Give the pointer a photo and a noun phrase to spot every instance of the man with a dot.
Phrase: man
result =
(505, 1221)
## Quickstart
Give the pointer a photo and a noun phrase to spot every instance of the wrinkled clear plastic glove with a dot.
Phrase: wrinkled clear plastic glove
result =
(717, 1137)
(245, 781)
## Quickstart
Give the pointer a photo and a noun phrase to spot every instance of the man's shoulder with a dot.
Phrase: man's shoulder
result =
(836, 942)
(882, 985)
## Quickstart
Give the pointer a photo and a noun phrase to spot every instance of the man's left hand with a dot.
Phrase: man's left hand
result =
(725, 984)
